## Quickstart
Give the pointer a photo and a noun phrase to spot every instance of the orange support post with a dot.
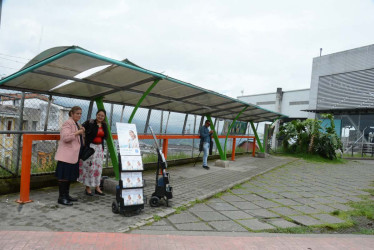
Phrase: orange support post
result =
(254, 147)
(25, 170)
(165, 148)
(233, 149)
(26, 163)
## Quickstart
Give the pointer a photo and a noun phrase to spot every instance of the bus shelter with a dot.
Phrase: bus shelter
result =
(57, 71)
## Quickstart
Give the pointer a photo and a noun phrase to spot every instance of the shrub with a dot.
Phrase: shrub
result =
(309, 137)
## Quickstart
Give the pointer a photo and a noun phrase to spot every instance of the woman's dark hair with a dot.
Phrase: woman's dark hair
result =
(101, 110)
(74, 109)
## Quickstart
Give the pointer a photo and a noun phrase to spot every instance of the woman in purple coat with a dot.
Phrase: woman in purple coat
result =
(67, 155)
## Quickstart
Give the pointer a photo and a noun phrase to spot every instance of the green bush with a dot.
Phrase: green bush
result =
(309, 137)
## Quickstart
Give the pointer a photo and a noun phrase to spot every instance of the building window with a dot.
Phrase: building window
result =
(299, 103)
(34, 123)
(9, 127)
(265, 103)
(25, 125)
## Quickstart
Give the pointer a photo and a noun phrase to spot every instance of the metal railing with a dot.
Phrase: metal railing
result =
(29, 138)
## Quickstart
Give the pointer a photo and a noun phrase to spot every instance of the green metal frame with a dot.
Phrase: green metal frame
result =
(142, 98)
(257, 138)
(230, 127)
(215, 136)
(110, 141)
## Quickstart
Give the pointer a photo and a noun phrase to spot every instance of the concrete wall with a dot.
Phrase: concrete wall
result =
(354, 60)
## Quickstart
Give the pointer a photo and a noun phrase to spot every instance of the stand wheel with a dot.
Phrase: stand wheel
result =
(154, 201)
(115, 207)
(137, 211)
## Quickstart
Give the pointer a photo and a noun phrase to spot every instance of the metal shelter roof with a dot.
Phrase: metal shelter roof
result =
(123, 82)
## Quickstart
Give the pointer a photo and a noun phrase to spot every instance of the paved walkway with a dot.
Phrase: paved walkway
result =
(69, 240)
(298, 194)
(93, 214)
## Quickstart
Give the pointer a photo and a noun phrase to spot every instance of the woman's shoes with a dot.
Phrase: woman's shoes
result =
(99, 193)
(87, 193)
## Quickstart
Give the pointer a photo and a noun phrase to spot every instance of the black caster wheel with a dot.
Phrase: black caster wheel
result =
(115, 207)
(154, 201)
(137, 211)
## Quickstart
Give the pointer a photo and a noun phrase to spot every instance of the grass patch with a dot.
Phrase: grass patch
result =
(238, 186)
(197, 201)
(293, 230)
(218, 195)
(363, 208)
(366, 231)
(370, 191)
(312, 158)
(178, 210)
(156, 218)
(151, 158)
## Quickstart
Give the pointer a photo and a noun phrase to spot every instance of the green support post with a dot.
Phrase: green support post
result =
(232, 124)
(109, 141)
(216, 140)
(141, 99)
(257, 138)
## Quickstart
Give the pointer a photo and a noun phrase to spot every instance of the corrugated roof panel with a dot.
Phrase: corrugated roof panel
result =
(115, 76)
(124, 83)
(83, 89)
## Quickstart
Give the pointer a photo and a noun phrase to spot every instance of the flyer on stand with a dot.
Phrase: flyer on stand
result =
(131, 162)
(132, 196)
(130, 180)
(127, 139)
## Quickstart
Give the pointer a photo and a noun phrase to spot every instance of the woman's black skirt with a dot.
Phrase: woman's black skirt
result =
(67, 171)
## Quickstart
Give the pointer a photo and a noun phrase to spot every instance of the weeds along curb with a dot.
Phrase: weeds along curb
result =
(191, 203)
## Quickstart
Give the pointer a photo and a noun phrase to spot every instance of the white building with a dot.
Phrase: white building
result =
(291, 102)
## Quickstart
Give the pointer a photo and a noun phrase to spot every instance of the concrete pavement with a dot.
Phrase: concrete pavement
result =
(293, 194)
(299, 194)
(93, 214)
(80, 240)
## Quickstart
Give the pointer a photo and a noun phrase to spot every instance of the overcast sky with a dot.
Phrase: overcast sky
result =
(225, 46)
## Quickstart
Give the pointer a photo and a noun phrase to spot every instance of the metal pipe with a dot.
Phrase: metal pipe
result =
(142, 98)
(167, 122)
(162, 121)
(147, 121)
(122, 112)
(20, 128)
(90, 107)
(47, 114)
(110, 128)
(193, 140)
(184, 124)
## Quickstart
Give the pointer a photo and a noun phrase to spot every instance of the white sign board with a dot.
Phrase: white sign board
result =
(127, 139)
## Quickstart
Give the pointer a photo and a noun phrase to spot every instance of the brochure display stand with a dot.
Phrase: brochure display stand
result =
(163, 190)
(129, 192)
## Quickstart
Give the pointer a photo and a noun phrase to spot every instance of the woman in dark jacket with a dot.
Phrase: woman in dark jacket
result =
(90, 170)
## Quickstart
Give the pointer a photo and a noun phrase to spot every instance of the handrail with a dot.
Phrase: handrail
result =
(29, 138)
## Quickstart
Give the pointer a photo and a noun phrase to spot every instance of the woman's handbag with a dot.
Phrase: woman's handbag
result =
(86, 152)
